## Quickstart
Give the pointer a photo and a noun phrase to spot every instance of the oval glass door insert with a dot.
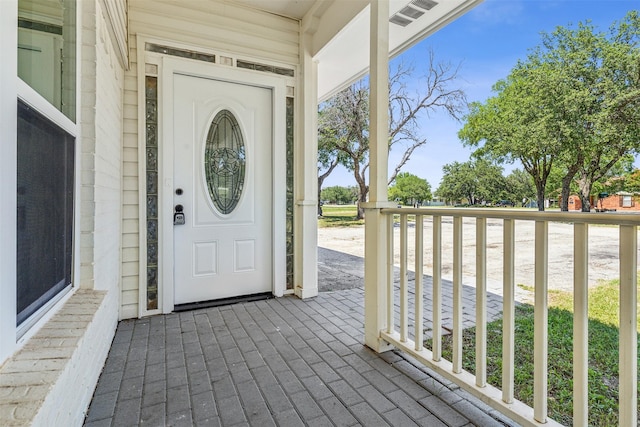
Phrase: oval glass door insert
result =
(224, 162)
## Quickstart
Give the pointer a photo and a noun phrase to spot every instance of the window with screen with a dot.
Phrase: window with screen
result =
(46, 55)
(45, 210)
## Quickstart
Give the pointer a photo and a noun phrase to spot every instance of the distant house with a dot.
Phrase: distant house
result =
(621, 201)
(575, 203)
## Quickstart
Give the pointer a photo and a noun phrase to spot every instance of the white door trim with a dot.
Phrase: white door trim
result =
(171, 66)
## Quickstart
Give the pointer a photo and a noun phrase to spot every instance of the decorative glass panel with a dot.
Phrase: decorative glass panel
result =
(151, 138)
(224, 162)
(181, 53)
(289, 214)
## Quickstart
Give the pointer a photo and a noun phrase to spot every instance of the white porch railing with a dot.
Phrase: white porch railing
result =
(503, 399)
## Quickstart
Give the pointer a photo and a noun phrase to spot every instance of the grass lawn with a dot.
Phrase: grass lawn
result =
(339, 216)
(345, 216)
(603, 354)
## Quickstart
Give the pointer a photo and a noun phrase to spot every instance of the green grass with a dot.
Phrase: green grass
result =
(339, 216)
(603, 355)
(345, 216)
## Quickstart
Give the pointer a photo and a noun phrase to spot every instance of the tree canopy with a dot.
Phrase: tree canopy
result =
(572, 105)
(339, 195)
(475, 181)
(410, 189)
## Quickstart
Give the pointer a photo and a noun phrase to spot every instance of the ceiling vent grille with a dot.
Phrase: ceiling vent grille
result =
(411, 12)
(424, 4)
(400, 20)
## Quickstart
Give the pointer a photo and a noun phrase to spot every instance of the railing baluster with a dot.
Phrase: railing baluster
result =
(580, 324)
(540, 323)
(477, 385)
(437, 289)
(457, 295)
(419, 292)
(390, 298)
(404, 292)
(481, 302)
(508, 310)
(628, 390)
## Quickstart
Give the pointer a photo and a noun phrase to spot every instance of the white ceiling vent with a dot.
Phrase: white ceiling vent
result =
(400, 20)
(424, 4)
(412, 11)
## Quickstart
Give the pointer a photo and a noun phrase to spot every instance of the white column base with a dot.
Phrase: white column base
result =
(306, 279)
(375, 278)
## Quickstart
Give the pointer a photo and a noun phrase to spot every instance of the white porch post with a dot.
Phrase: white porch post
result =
(375, 254)
(8, 174)
(306, 178)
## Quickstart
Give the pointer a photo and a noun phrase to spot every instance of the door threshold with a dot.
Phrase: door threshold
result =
(220, 302)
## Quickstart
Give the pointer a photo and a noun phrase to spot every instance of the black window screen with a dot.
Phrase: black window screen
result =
(45, 210)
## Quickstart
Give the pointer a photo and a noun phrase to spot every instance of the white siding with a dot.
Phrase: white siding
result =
(101, 162)
(212, 25)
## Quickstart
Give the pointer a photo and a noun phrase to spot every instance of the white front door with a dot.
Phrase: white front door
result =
(222, 145)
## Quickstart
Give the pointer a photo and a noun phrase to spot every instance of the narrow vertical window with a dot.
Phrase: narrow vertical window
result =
(151, 126)
(289, 209)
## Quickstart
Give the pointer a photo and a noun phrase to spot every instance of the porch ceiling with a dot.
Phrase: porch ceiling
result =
(345, 58)
(341, 31)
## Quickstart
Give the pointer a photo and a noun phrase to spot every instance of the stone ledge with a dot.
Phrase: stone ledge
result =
(31, 381)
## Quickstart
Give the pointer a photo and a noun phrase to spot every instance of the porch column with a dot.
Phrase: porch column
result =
(306, 178)
(375, 229)
(8, 175)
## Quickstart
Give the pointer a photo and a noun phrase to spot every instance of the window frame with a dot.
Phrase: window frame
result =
(33, 99)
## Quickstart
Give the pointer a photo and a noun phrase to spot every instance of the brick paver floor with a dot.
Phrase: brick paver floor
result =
(281, 361)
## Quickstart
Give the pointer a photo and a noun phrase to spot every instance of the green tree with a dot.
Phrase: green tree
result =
(619, 178)
(601, 90)
(345, 117)
(511, 126)
(339, 195)
(476, 181)
(519, 187)
(573, 105)
(328, 156)
(410, 189)
(632, 182)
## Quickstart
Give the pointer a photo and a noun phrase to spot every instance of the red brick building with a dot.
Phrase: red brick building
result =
(575, 204)
(621, 201)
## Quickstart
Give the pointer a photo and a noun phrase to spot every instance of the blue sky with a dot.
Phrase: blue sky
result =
(487, 41)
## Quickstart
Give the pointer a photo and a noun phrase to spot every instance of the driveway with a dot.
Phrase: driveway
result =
(603, 252)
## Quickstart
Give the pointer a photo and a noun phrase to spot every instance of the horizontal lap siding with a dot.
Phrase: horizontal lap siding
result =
(239, 31)
(108, 158)
(219, 26)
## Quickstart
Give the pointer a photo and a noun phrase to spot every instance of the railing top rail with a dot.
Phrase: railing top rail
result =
(618, 218)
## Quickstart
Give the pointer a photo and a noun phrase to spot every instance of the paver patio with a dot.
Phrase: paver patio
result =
(282, 361)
